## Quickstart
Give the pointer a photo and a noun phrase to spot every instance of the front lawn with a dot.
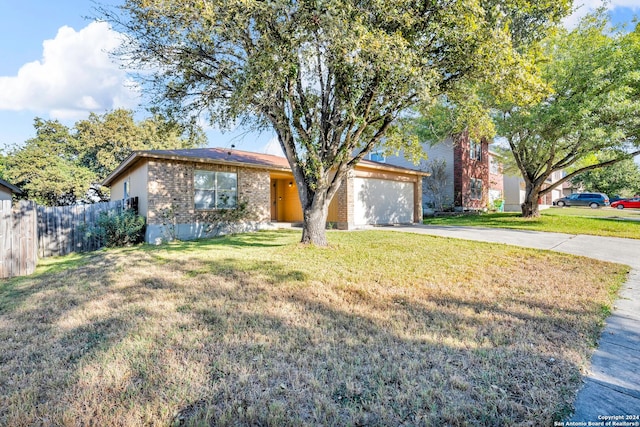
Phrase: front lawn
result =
(384, 328)
(598, 222)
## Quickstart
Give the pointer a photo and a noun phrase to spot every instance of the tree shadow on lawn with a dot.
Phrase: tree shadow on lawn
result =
(54, 275)
(242, 342)
(49, 323)
(342, 367)
(56, 322)
(259, 239)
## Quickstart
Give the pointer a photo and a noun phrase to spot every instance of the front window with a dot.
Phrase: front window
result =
(476, 189)
(215, 190)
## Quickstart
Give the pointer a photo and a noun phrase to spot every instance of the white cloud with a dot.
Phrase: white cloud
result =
(273, 147)
(75, 75)
(583, 7)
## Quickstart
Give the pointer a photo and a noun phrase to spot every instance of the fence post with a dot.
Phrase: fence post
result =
(6, 228)
(18, 239)
(31, 230)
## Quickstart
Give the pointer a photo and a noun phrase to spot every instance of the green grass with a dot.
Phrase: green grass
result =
(382, 328)
(599, 222)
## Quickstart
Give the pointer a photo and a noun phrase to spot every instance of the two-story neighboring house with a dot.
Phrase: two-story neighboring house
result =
(465, 183)
(473, 177)
(496, 181)
(556, 193)
(514, 192)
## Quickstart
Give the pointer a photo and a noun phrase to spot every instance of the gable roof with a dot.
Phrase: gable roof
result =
(10, 186)
(232, 157)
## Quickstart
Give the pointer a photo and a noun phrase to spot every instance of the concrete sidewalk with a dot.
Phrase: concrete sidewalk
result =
(612, 384)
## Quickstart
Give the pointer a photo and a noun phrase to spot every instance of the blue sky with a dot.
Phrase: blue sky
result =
(54, 66)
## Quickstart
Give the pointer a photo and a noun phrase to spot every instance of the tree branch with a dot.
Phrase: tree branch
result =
(587, 168)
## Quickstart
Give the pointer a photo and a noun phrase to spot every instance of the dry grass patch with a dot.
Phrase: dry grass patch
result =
(381, 329)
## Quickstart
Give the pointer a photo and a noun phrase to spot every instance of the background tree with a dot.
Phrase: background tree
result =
(594, 107)
(62, 166)
(329, 76)
(515, 78)
(434, 185)
(46, 167)
(621, 179)
(104, 141)
(3, 164)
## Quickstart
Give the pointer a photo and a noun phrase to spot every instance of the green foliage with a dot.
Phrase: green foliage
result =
(104, 141)
(228, 221)
(61, 166)
(528, 21)
(330, 76)
(45, 168)
(217, 222)
(594, 107)
(120, 229)
(512, 78)
(169, 222)
(3, 165)
(435, 184)
(497, 205)
(567, 220)
(622, 178)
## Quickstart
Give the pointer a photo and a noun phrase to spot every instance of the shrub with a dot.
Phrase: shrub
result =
(121, 229)
(169, 223)
(496, 205)
(228, 221)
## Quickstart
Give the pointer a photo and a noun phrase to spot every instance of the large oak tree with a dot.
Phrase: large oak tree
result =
(45, 167)
(62, 166)
(329, 76)
(621, 179)
(593, 107)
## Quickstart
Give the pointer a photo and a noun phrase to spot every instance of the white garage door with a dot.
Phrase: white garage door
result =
(382, 201)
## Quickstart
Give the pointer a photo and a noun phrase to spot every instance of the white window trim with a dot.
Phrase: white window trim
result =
(474, 190)
(379, 153)
(475, 150)
(214, 189)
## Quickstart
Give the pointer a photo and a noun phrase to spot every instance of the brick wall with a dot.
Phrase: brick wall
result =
(171, 184)
(496, 180)
(254, 187)
(465, 168)
(344, 198)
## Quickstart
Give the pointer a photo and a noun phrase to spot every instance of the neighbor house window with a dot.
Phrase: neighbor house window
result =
(475, 150)
(126, 190)
(476, 189)
(215, 190)
(494, 167)
(377, 156)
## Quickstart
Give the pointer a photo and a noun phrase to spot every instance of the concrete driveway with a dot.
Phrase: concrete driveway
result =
(612, 384)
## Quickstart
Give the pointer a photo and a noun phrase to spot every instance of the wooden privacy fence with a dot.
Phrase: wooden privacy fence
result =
(29, 231)
(65, 229)
(18, 239)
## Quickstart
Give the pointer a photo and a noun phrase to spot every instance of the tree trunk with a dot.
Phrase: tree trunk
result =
(530, 207)
(315, 222)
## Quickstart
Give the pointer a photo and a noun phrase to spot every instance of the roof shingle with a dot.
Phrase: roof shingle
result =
(231, 156)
